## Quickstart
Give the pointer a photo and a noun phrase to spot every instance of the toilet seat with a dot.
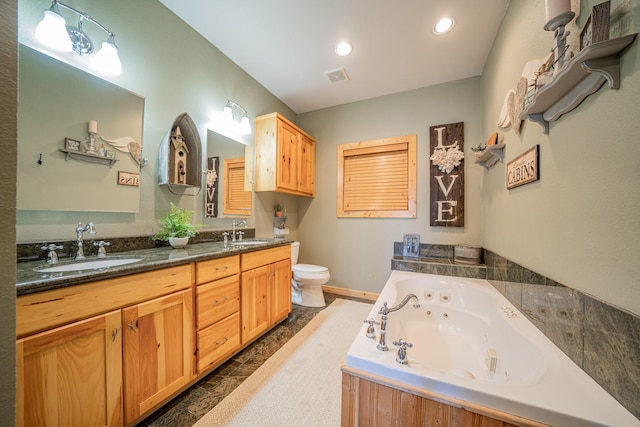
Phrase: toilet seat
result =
(309, 269)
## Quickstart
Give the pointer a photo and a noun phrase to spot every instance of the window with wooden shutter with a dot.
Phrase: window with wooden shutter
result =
(378, 178)
(236, 200)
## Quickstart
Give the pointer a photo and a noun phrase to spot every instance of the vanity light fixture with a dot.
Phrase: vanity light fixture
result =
(242, 128)
(444, 25)
(53, 32)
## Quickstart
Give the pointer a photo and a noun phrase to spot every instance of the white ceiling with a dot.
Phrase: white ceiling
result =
(288, 45)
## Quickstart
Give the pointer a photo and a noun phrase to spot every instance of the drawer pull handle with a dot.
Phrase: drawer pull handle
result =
(222, 341)
(225, 267)
(218, 301)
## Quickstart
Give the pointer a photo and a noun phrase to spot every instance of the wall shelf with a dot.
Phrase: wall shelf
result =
(93, 158)
(584, 74)
(490, 156)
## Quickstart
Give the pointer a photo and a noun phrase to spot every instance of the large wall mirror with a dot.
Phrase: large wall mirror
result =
(226, 192)
(56, 102)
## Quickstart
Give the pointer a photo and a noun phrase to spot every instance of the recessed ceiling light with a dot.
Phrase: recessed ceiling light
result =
(444, 25)
(343, 49)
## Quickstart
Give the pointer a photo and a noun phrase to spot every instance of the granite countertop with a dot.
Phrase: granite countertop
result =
(29, 280)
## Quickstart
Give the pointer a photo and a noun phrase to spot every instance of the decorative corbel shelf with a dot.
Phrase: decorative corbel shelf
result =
(92, 158)
(490, 156)
(584, 74)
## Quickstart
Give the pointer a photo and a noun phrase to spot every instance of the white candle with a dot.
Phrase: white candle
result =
(93, 126)
(556, 7)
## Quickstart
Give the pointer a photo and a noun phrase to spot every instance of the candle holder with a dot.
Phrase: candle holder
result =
(559, 14)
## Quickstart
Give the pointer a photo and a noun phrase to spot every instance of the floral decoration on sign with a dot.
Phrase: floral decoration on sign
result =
(447, 159)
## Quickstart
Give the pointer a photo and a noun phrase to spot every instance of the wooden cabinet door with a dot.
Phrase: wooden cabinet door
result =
(306, 166)
(71, 375)
(158, 351)
(280, 296)
(287, 166)
(253, 302)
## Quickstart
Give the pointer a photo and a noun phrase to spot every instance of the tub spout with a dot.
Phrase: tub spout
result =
(384, 312)
(402, 304)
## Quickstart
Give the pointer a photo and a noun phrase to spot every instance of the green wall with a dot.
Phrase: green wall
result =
(358, 251)
(176, 71)
(579, 224)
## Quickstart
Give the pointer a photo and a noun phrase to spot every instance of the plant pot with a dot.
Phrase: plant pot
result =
(278, 214)
(178, 242)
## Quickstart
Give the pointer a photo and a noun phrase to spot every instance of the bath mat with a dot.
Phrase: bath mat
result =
(301, 384)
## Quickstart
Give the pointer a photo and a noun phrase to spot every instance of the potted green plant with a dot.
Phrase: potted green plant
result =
(177, 227)
(277, 208)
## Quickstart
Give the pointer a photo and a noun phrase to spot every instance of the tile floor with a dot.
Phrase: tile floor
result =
(195, 402)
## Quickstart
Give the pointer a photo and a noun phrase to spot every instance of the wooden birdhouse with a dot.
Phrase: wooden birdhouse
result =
(178, 158)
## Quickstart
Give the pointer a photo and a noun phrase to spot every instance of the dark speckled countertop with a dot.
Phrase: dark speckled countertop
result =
(29, 280)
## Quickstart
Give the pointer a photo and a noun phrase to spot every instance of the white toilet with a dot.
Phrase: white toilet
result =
(307, 281)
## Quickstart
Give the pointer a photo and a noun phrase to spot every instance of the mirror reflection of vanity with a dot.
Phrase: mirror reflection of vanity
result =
(57, 101)
(225, 169)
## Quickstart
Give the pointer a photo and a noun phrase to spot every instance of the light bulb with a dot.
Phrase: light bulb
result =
(245, 126)
(107, 60)
(227, 114)
(443, 25)
(52, 32)
(343, 49)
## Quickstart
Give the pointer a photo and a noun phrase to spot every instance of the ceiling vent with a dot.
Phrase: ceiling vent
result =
(337, 75)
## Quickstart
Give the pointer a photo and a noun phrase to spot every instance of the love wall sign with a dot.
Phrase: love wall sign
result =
(446, 155)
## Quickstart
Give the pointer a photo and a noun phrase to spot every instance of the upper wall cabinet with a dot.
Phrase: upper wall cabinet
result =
(285, 157)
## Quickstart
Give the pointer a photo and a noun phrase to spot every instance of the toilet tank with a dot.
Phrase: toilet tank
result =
(295, 247)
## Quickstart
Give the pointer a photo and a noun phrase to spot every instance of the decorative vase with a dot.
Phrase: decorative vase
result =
(178, 242)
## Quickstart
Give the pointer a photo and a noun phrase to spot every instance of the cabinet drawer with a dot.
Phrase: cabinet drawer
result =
(218, 340)
(217, 300)
(44, 310)
(267, 256)
(207, 271)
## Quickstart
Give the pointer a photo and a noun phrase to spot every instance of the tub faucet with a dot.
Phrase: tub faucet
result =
(79, 231)
(384, 312)
(401, 357)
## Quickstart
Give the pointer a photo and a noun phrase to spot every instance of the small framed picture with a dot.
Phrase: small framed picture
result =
(596, 28)
(110, 154)
(71, 144)
(411, 247)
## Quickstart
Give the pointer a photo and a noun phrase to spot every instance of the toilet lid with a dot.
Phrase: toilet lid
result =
(309, 268)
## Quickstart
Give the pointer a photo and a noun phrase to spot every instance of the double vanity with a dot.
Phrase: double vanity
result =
(108, 344)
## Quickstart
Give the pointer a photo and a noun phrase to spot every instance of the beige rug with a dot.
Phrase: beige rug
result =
(300, 385)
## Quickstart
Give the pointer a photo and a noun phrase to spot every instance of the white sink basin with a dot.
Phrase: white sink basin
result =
(249, 242)
(95, 264)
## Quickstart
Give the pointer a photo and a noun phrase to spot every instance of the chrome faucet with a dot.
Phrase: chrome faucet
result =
(384, 312)
(233, 228)
(79, 231)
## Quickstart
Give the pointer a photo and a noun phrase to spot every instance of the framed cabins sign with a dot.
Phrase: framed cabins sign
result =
(524, 168)
(446, 175)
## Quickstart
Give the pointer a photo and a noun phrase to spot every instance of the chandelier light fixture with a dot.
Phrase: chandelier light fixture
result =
(243, 127)
(53, 32)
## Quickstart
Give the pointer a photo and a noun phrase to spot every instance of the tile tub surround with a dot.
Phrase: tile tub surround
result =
(601, 339)
(31, 251)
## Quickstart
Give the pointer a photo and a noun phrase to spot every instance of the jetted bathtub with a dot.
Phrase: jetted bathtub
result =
(472, 344)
